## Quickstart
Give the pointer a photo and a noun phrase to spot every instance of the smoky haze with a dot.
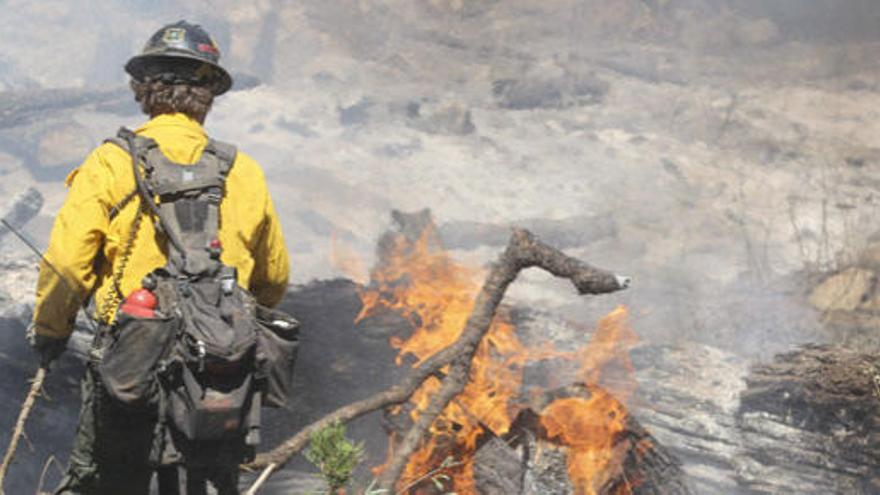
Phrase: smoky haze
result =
(720, 152)
(706, 148)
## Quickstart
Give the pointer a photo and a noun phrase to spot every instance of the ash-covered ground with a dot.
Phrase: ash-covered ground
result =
(722, 153)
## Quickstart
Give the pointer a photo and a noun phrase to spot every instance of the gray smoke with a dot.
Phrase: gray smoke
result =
(720, 152)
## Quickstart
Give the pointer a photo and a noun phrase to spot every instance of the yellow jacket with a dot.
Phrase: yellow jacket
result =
(86, 244)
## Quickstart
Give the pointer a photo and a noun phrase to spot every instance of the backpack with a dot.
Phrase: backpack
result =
(205, 357)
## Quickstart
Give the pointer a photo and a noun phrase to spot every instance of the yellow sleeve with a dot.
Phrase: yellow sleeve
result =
(77, 236)
(271, 262)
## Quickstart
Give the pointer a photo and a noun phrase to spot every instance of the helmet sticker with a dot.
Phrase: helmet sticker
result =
(174, 35)
(206, 48)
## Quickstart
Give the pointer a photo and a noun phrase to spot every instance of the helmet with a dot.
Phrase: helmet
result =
(181, 53)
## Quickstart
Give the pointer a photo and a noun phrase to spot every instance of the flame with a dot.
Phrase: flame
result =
(419, 281)
(591, 426)
(436, 295)
(605, 360)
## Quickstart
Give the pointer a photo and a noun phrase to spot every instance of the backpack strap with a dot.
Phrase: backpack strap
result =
(139, 148)
(189, 200)
(117, 208)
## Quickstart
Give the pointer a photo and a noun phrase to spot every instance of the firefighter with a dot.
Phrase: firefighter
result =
(103, 251)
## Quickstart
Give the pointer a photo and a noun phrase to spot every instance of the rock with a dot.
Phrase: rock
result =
(844, 291)
(543, 91)
(449, 118)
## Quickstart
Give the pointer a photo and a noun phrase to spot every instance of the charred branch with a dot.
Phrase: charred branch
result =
(523, 251)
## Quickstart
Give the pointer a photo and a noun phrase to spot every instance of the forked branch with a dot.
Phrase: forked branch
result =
(523, 251)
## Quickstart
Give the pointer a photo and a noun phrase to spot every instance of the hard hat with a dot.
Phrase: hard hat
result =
(181, 53)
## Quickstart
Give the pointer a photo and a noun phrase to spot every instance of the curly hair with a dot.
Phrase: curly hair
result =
(157, 97)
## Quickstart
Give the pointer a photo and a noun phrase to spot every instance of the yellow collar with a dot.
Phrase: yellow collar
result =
(172, 119)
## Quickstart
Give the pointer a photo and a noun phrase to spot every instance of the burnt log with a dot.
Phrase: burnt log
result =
(816, 412)
(805, 423)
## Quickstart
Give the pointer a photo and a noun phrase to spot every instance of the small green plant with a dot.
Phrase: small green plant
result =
(334, 455)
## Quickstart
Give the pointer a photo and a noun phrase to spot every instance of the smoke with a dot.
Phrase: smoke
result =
(663, 116)
(724, 145)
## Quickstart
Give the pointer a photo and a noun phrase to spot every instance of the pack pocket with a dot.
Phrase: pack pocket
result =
(209, 411)
(130, 360)
(277, 345)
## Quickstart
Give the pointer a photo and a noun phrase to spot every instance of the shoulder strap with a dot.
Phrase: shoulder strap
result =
(115, 209)
(225, 153)
(137, 147)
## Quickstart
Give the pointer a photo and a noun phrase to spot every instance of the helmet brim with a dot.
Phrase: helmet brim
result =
(137, 65)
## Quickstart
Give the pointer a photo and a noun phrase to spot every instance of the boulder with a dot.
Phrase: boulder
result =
(844, 291)
(549, 91)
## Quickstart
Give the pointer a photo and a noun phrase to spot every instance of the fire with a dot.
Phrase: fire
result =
(590, 426)
(419, 281)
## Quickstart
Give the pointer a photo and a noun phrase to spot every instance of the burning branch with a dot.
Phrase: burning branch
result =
(524, 250)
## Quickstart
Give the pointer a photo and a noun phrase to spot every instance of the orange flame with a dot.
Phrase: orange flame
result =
(590, 426)
(419, 281)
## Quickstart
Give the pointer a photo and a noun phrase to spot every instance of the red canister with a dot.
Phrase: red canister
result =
(141, 303)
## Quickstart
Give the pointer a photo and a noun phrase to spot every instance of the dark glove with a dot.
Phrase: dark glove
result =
(48, 348)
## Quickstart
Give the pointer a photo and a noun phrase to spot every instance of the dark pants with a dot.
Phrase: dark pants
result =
(111, 450)
(115, 452)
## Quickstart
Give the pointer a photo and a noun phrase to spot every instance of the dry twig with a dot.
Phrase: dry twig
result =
(18, 431)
